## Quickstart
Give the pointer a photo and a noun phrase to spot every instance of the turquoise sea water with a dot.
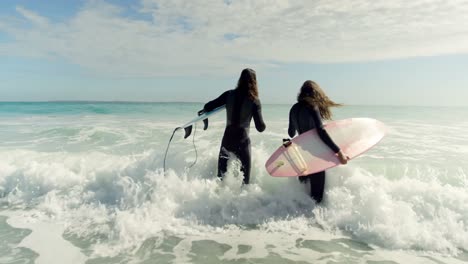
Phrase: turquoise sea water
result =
(83, 183)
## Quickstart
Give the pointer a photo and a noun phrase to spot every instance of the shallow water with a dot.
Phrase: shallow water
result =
(84, 183)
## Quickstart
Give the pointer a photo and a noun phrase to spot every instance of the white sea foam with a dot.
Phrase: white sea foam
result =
(112, 198)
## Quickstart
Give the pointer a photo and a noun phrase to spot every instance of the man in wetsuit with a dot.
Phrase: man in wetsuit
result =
(242, 104)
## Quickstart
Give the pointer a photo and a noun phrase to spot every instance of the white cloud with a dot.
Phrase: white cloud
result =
(216, 36)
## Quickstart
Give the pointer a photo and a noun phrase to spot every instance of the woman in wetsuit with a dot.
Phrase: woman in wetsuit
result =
(242, 104)
(312, 106)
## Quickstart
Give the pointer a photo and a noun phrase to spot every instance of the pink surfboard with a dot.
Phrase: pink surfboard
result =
(306, 153)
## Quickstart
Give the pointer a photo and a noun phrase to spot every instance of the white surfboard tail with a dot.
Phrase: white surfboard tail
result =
(204, 117)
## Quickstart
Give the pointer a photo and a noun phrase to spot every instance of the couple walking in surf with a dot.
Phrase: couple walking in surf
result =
(243, 105)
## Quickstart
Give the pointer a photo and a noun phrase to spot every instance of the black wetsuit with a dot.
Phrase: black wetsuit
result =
(239, 112)
(301, 119)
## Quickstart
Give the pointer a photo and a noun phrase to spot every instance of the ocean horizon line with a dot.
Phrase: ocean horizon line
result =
(194, 102)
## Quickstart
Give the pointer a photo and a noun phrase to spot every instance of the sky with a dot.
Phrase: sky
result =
(362, 52)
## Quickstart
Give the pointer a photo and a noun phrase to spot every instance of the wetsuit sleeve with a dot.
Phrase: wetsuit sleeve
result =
(220, 101)
(323, 134)
(258, 117)
(292, 128)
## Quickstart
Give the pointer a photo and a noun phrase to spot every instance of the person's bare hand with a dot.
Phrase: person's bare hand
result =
(342, 157)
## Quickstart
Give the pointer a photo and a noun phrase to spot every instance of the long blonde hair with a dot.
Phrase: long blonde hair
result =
(313, 95)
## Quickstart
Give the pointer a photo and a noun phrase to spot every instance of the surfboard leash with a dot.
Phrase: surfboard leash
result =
(167, 149)
(169, 143)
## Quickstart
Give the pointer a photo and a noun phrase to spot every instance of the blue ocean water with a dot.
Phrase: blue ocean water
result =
(82, 182)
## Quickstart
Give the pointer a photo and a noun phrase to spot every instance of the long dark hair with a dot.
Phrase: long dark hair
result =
(247, 84)
(313, 95)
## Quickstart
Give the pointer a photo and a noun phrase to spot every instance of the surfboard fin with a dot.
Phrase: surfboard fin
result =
(188, 131)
